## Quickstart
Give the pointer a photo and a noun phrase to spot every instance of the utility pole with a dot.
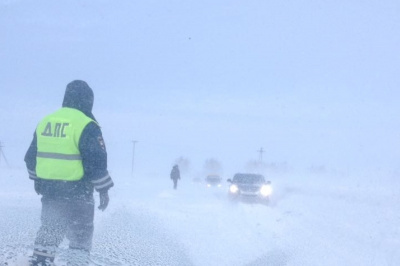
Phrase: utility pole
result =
(3, 155)
(133, 154)
(260, 151)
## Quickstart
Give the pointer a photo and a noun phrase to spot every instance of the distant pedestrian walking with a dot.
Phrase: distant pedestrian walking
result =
(175, 175)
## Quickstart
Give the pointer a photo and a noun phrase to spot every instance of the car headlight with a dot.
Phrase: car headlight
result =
(233, 189)
(266, 190)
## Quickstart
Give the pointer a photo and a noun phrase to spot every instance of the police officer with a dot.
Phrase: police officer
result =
(67, 160)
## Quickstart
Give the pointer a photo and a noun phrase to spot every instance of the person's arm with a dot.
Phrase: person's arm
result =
(30, 161)
(30, 158)
(94, 158)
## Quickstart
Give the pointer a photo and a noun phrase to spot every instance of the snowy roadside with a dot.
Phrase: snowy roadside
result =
(310, 221)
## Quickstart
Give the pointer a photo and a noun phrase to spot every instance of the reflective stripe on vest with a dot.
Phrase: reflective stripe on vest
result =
(58, 156)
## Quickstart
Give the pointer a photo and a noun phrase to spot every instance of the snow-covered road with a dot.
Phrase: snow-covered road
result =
(310, 221)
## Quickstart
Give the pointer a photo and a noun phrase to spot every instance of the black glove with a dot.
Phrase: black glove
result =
(104, 199)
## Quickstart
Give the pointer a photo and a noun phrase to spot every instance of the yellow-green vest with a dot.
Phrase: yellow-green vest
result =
(58, 134)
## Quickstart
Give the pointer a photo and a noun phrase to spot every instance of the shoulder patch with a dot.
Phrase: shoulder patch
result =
(101, 142)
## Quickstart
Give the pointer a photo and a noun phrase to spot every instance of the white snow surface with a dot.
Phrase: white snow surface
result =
(311, 220)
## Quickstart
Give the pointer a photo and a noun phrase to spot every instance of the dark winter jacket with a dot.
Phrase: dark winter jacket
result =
(78, 95)
(175, 174)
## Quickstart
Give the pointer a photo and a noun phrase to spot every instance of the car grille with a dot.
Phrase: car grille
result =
(249, 188)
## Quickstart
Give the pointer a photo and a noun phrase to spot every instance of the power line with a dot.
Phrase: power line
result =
(3, 155)
(260, 151)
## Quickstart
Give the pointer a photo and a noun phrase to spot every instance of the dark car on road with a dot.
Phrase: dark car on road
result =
(213, 181)
(252, 187)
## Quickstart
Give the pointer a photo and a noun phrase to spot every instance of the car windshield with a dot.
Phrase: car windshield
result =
(213, 178)
(248, 178)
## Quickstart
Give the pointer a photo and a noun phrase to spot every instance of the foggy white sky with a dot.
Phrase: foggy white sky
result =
(313, 82)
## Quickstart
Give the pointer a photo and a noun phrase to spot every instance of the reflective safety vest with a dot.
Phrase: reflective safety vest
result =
(58, 134)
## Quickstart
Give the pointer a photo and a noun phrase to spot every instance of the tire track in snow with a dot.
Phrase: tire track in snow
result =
(126, 238)
(18, 227)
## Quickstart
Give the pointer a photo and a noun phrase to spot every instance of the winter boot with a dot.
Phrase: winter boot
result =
(78, 257)
(38, 260)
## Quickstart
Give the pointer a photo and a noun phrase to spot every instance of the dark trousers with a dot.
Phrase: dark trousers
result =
(175, 183)
(64, 218)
